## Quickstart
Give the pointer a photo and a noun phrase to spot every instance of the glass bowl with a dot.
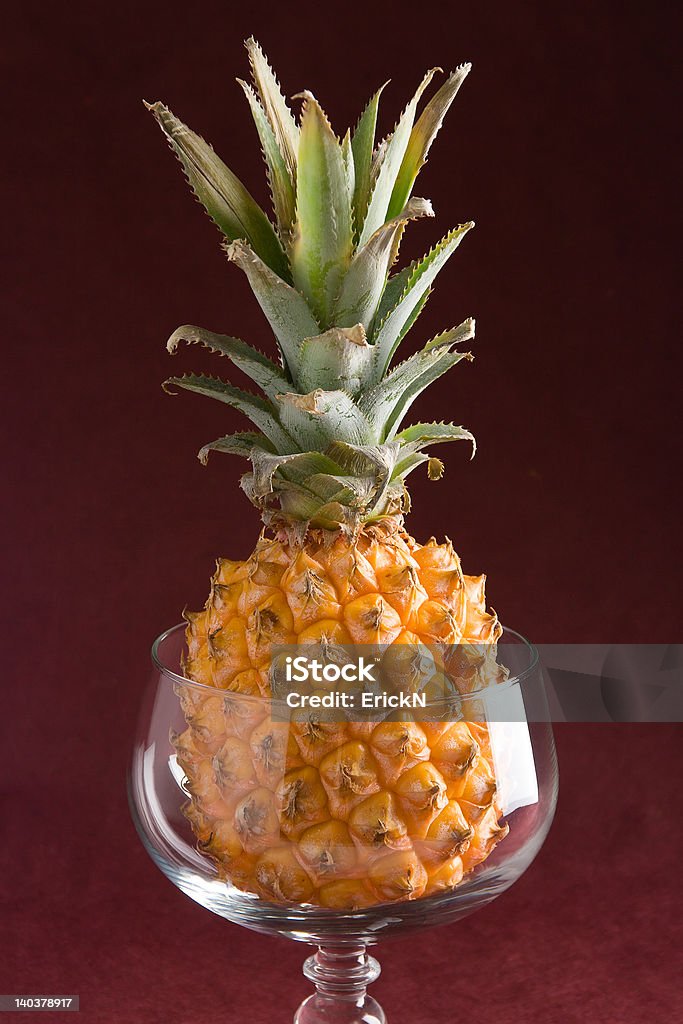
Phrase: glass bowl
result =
(163, 803)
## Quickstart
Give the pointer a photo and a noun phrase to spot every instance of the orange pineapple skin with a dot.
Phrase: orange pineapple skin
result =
(340, 815)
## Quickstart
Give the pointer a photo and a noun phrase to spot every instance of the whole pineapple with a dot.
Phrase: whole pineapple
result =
(342, 815)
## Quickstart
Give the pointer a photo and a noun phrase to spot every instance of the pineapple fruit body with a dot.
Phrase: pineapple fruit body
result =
(339, 814)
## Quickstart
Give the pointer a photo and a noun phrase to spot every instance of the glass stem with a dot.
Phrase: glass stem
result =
(341, 975)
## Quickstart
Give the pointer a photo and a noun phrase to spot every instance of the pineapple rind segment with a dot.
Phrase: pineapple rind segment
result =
(340, 815)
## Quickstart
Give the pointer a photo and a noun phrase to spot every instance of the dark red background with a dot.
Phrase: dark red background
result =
(562, 146)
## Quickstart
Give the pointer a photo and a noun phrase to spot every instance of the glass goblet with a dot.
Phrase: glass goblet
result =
(341, 969)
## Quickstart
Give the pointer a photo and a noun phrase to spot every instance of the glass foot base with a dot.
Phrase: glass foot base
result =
(341, 977)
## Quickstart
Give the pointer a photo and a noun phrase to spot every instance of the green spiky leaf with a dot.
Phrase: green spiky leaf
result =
(407, 326)
(261, 413)
(364, 282)
(297, 468)
(394, 289)
(362, 146)
(422, 435)
(441, 365)
(250, 361)
(279, 175)
(388, 168)
(243, 443)
(309, 487)
(341, 355)
(453, 336)
(386, 402)
(350, 170)
(286, 309)
(282, 122)
(406, 466)
(316, 419)
(422, 136)
(222, 194)
(374, 462)
(323, 236)
(388, 334)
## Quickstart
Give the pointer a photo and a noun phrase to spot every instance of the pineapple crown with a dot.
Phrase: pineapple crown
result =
(328, 451)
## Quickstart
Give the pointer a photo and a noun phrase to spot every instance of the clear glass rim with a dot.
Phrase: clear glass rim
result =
(175, 677)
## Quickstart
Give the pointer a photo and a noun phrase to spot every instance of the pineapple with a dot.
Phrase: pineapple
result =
(338, 814)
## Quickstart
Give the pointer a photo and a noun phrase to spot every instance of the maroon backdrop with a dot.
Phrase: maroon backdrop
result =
(561, 144)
